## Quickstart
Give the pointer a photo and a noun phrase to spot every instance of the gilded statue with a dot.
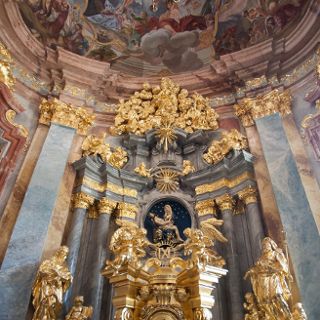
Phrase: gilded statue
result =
(270, 279)
(298, 312)
(79, 311)
(146, 110)
(187, 167)
(166, 223)
(52, 281)
(250, 305)
(142, 170)
(199, 247)
(128, 245)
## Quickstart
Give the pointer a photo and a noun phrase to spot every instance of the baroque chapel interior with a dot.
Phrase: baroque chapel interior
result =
(159, 159)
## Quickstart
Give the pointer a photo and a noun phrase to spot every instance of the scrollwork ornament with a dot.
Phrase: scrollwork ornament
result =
(124, 314)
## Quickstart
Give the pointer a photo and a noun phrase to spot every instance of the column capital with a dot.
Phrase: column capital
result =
(248, 195)
(56, 111)
(106, 206)
(250, 109)
(127, 210)
(225, 202)
(205, 207)
(82, 200)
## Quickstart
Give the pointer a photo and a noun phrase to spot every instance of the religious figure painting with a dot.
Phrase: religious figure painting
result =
(156, 37)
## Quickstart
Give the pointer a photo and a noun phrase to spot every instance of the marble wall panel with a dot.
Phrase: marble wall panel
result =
(26, 244)
(296, 214)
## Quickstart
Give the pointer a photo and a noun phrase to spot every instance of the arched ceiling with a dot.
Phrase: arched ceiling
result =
(178, 37)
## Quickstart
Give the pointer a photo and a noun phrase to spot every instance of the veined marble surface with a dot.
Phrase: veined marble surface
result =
(296, 215)
(29, 234)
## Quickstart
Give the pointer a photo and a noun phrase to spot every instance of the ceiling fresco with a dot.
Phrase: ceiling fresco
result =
(142, 38)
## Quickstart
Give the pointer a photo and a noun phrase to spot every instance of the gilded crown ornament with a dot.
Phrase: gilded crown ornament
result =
(149, 109)
(230, 140)
(65, 114)
(275, 101)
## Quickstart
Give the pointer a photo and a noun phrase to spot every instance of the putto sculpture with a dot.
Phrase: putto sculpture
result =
(52, 281)
(79, 311)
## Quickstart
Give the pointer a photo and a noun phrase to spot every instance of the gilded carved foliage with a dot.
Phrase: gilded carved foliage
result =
(250, 109)
(6, 75)
(57, 111)
(231, 140)
(165, 105)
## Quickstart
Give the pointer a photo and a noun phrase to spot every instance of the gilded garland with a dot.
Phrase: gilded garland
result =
(167, 104)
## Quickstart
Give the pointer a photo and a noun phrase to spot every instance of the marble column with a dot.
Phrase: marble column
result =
(296, 214)
(234, 288)
(25, 248)
(254, 219)
(82, 202)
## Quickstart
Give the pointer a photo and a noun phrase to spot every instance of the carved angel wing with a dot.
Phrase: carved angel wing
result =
(209, 229)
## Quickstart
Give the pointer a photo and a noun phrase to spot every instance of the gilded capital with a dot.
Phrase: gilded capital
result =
(106, 206)
(82, 200)
(6, 75)
(205, 207)
(230, 140)
(248, 195)
(250, 109)
(127, 210)
(225, 202)
(67, 115)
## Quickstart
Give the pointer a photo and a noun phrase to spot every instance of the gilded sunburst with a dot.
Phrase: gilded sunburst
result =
(167, 180)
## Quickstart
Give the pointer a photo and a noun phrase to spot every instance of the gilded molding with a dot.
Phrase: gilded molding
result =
(92, 184)
(94, 145)
(82, 200)
(248, 195)
(127, 210)
(164, 105)
(65, 114)
(223, 182)
(10, 115)
(250, 109)
(205, 207)
(6, 75)
(106, 206)
(225, 202)
(230, 140)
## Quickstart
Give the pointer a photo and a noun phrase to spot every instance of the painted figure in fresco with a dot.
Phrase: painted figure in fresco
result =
(270, 277)
(52, 281)
(166, 223)
(79, 311)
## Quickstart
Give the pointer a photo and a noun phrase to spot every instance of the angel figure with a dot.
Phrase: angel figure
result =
(128, 244)
(188, 167)
(79, 311)
(198, 246)
(142, 170)
(52, 281)
(209, 229)
(269, 278)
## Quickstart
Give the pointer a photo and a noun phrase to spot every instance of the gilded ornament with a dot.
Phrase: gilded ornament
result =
(127, 210)
(79, 311)
(151, 108)
(202, 314)
(65, 114)
(248, 195)
(256, 83)
(128, 245)
(93, 145)
(187, 167)
(52, 281)
(275, 101)
(6, 75)
(10, 115)
(225, 202)
(106, 206)
(205, 207)
(209, 227)
(166, 135)
(142, 170)
(232, 140)
(270, 278)
(82, 200)
(124, 314)
(223, 183)
(298, 312)
(167, 180)
(251, 308)
(118, 158)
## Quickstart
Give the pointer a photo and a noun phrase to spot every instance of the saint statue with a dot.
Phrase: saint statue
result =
(166, 223)
(52, 281)
(270, 278)
(79, 311)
